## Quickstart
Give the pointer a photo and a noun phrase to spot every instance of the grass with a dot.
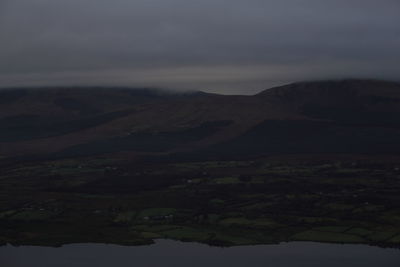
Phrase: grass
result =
(227, 180)
(369, 208)
(391, 217)
(320, 236)
(150, 235)
(154, 228)
(241, 221)
(381, 236)
(236, 240)
(188, 234)
(156, 212)
(213, 218)
(126, 217)
(359, 231)
(211, 165)
(335, 229)
(217, 202)
(395, 239)
(315, 220)
(7, 214)
(339, 206)
(32, 216)
(131, 216)
(257, 206)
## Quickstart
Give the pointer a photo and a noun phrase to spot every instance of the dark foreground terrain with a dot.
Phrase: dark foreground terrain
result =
(258, 201)
(313, 161)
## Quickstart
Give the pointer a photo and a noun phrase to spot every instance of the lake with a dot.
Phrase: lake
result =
(168, 253)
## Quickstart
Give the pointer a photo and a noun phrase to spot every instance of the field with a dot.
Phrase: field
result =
(223, 203)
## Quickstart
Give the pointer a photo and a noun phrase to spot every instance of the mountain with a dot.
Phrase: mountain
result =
(347, 116)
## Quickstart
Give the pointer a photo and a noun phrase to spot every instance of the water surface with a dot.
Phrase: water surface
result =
(168, 253)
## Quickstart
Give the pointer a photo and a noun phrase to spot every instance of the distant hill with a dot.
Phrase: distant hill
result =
(348, 116)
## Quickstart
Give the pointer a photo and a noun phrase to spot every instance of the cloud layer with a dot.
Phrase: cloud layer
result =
(214, 45)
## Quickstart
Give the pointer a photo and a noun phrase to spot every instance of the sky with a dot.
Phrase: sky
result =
(222, 46)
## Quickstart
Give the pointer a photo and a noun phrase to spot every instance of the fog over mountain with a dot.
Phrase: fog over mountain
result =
(217, 46)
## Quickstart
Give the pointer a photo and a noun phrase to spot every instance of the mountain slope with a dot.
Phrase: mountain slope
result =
(350, 116)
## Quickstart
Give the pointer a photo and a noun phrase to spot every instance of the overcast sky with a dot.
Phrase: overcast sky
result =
(225, 46)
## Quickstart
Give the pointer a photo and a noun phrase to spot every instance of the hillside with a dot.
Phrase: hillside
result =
(349, 116)
(316, 161)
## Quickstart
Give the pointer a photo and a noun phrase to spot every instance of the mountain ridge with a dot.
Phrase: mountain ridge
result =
(89, 122)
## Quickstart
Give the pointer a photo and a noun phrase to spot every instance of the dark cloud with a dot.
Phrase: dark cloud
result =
(217, 45)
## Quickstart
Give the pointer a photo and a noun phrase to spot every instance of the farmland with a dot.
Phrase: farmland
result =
(225, 203)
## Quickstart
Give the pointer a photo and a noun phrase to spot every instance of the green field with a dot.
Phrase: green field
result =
(258, 201)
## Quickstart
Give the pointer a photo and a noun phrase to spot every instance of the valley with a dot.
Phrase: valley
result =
(224, 203)
(311, 161)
